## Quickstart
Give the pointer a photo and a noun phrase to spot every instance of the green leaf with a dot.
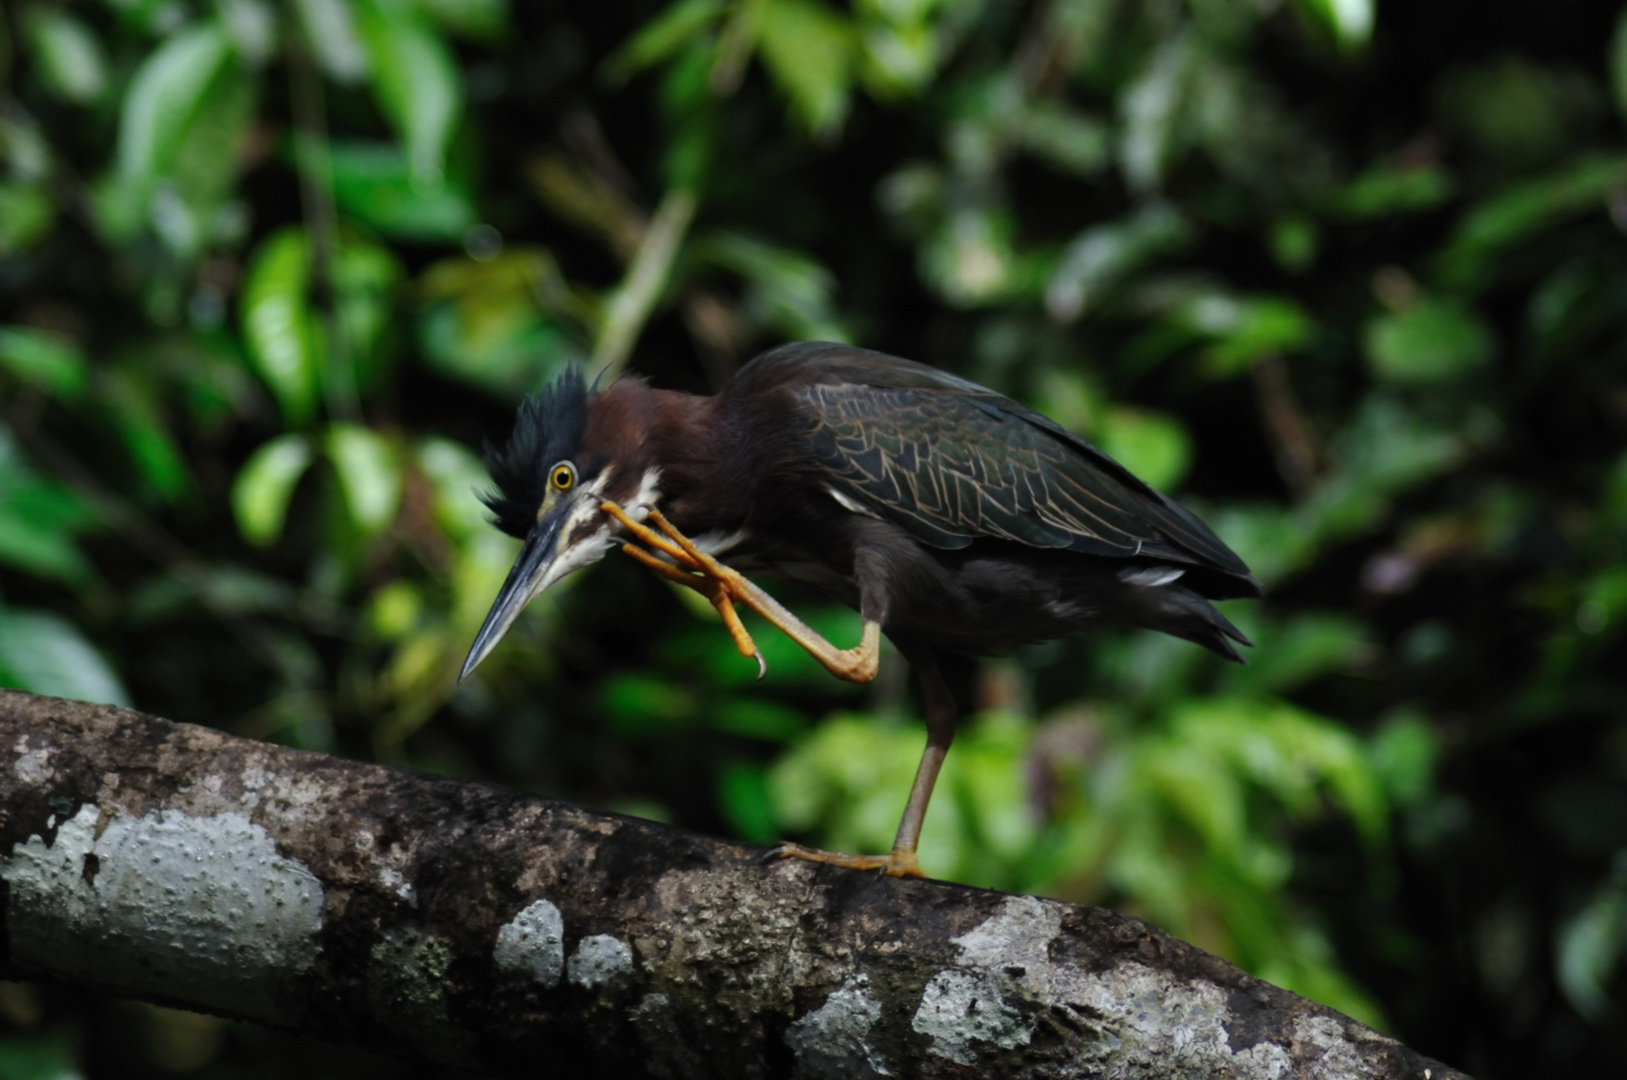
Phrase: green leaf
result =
(1590, 947)
(253, 26)
(1103, 255)
(365, 278)
(1349, 22)
(1518, 213)
(33, 536)
(1618, 63)
(902, 59)
(1294, 242)
(746, 801)
(971, 258)
(1381, 451)
(43, 359)
(131, 397)
(189, 211)
(481, 19)
(1604, 600)
(1287, 751)
(1387, 190)
(786, 290)
(1292, 653)
(661, 37)
(1404, 752)
(484, 324)
(278, 326)
(330, 30)
(26, 215)
(70, 58)
(809, 50)
(457, 476)
(415, 79)
(396, 610)
(48, 1056)
(755, 718)
(1433, 342)
(45, 654)
(164, 93)
(1248, 330)
(1078, 144)
(1152, 107)
(263, 487)
(369, 471)
(39, 519)
(373, 185)
(639, 704)
(1152, 445)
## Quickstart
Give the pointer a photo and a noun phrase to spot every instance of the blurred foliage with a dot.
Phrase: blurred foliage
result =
(1351, 283)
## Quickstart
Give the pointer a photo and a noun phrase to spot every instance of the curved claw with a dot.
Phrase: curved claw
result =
(897, 864)
(762, 665)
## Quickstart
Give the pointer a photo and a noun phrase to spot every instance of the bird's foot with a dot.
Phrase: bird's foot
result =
(691, 568)
(694, 568)
(897, 864)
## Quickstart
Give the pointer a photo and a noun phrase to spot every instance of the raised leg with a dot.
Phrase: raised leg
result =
(699, 570)
(940, 708)
(711, 589)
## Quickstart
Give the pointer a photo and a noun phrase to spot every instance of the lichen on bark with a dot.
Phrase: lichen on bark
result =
(492, 930)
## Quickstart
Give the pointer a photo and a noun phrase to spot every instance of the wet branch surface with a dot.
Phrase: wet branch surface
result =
(504, 933)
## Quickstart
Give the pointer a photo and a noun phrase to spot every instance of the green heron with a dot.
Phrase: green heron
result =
(955, 520)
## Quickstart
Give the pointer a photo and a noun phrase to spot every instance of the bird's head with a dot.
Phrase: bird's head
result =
(569, 452)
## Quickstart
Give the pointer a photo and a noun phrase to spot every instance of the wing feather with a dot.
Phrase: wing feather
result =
(952, 461)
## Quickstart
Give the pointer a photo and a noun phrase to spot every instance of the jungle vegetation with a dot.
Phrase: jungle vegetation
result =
(1348, 278)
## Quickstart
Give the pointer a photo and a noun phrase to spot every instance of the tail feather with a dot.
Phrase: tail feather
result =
(1174, 609)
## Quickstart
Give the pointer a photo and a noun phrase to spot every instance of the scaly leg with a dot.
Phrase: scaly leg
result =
(854, 665)
(697, 570)
(713, 591)
(940, 732)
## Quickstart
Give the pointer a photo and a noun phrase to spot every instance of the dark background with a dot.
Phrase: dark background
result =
(1350, 285)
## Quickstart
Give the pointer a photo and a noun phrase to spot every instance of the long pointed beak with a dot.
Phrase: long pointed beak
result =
(524, 582)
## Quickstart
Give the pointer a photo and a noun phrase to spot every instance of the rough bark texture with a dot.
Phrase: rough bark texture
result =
(496, 931)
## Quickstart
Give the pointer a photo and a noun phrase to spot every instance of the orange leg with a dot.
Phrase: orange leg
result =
(940, 732)
(697, 570)
(713, 591)
(854, 665)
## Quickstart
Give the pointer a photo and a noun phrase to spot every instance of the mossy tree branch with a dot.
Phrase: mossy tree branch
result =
(495, 931)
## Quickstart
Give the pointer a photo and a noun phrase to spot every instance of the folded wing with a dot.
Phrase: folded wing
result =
(953, 462)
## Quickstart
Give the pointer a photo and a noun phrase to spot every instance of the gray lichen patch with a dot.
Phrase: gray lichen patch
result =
(33, 766)
(392, 880)
(166, 900)
(833, 1041)
(533, 942)
(600, 960)
(1007, 954)
(1018, 935)
(1143, 1019)
(960, 1007)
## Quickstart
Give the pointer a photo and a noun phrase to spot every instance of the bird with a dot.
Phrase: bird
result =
(955, 520)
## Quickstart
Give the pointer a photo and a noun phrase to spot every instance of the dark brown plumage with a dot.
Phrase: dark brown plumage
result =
(953, 518)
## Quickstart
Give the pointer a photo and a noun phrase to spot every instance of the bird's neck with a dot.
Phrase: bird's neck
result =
(694, 445)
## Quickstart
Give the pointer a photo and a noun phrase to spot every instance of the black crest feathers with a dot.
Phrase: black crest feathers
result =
(547, 429)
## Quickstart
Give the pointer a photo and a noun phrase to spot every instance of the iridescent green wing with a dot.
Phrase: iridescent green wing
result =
(951, 468)
(952, 461)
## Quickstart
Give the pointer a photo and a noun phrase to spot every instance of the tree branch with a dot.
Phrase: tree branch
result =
(491, 930)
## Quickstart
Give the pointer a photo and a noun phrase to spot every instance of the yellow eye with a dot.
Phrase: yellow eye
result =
(563, 476)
